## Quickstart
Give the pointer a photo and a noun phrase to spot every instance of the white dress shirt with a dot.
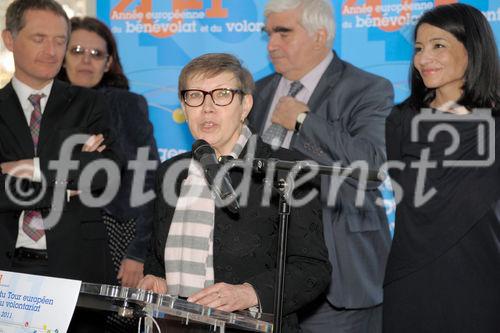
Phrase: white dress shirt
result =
(23, 92)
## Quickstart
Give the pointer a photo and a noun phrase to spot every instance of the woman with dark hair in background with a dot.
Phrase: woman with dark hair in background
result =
(443, 271)
(92, 61)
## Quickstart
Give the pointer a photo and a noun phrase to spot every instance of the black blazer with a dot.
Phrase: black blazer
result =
(345, 124)
(76, 245)
(245, 246)
(130, 122)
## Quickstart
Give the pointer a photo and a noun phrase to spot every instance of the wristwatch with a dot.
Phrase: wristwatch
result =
(300, 120)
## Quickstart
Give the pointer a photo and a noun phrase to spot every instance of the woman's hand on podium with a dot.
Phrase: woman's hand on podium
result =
(153, 283)
(130, 273)
(226, 297)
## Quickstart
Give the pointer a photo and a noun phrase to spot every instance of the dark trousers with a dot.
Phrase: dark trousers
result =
(30, 266)
(321, 317)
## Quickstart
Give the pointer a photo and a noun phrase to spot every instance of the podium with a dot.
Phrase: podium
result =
(173, 313)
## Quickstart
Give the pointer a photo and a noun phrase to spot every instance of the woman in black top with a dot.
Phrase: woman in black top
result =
(443, 271)
(92, 61)
(206, 252)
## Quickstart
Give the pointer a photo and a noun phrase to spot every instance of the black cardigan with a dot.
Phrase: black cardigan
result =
(245, 245)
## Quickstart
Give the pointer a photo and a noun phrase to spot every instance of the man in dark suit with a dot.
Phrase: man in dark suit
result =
(37, 115)
(332, 112)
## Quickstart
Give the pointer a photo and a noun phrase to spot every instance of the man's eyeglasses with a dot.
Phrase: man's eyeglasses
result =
(220, 97)
(79, 50)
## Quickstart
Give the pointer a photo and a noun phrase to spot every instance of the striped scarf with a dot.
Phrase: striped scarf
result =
(189, 249)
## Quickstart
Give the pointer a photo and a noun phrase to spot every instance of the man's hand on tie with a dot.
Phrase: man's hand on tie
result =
(286, 111)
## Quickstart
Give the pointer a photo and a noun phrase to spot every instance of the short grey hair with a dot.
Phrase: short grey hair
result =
(316, 14)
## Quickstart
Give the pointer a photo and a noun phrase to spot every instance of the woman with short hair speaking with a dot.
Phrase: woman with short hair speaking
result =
(204, 252)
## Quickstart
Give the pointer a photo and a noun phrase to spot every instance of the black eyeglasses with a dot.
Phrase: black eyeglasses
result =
(79, 50)
(220, 97)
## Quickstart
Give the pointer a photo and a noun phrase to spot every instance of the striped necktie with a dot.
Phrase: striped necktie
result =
(32, 221)
(275, 134)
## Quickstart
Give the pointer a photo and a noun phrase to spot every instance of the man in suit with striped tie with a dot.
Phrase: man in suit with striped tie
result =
(37, 115)
(332, 112)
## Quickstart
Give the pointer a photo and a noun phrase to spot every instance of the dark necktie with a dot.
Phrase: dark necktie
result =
(32, 221)
(275, 134)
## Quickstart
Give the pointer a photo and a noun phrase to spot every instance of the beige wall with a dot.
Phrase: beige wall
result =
(72, 7)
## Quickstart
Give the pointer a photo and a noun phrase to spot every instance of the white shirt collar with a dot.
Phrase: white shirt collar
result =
(24, 91)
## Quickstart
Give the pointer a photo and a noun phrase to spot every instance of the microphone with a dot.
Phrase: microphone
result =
(205, 155)
(261, 164)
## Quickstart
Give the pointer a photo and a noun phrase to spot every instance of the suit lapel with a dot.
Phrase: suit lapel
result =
(12, 114)
(328, 81)
(330, 78)
(263, 102)
(59, 98)
(264, 97)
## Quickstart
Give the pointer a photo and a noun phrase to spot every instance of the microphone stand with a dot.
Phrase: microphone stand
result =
(284, 186)
(284, 190)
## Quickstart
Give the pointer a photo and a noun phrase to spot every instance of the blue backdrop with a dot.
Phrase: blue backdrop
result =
(156, 38)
